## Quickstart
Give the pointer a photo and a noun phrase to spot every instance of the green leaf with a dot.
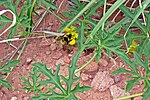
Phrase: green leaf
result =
(80, 89)
(72, 9)
(98, 52)
(5, 19)
(77, 2)
(55, 79)
(147, 15)
(50, 4)
(3, 2)
(67, 14)
(131, 15)
(6, 84)
(138, 60)
(131, 83)
(146, 49)
(32, 85)
(127, 60)
(122, 70)
(9, 64)
(81, 35)
(93, 8)
(146, 94)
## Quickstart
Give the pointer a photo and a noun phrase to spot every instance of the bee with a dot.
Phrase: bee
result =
(70, 36)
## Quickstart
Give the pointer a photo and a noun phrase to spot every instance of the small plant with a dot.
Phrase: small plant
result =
(67, 92)
(5, 69)
(135, 76)
(24, 19)
(94, 34)
(100, 34)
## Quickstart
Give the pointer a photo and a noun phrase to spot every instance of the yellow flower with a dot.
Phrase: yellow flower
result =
(133, 46)
(72, 42)
(74, 35)
(70, 36)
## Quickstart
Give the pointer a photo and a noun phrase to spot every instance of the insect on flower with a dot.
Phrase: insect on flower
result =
(70, 36)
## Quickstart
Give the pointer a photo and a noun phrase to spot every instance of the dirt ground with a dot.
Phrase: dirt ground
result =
(105, 86)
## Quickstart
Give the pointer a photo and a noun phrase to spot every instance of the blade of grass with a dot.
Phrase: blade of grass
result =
(115, 6)
(104, 11)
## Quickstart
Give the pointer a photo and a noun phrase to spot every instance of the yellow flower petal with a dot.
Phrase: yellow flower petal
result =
(76, 36)
(67, 30)
(133, 46)
(72, 42)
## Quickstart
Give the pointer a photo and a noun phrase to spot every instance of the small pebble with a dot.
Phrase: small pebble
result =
(92, 67)
(26, 98)
(44, 43)
(91, 76)
(13, 98)
(60, 61)
(103, 62)
(84, 77)
(53, 47)
(1, 94)
(66, 59)
(28, 60)
(57, 55)
(70, 55)
(117, 92)
(117, 78)
(102, 81)
(48, 52)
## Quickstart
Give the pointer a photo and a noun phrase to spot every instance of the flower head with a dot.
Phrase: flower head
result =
(133, 46)
(70, 36)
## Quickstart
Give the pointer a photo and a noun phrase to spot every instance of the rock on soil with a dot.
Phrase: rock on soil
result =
(44, 42)
(102, 81)
(60, 61)
(103, 62)
(66, 59)
(117, 78)
(57, 55)
(53, 47)
(117, 92)
(92, 67)
(28, 60)
(13, 98)
(84, 77)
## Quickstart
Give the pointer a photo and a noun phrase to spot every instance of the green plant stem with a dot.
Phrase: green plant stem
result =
(25, 42)
(30, 16)
(130, 96)
(47, 9)
(104, 14)
(81, 68)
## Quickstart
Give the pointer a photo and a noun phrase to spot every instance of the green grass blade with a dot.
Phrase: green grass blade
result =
(115, 6)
